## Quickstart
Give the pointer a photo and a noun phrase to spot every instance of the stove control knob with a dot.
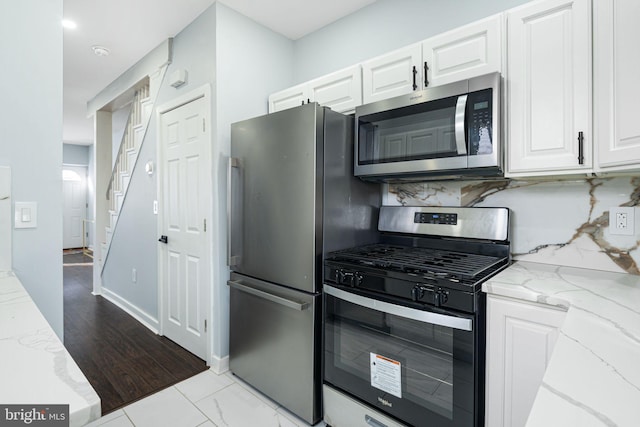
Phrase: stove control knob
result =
(441, 297)
(337, 273)
(357, 279)
(346, 278)
(416, 293)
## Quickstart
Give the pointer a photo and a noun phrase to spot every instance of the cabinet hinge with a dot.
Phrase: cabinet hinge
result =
(205, 325)
(205, 224)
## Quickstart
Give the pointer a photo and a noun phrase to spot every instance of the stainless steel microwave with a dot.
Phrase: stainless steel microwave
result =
(441, 132)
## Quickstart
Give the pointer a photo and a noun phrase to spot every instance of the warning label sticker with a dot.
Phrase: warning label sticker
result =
(386, 374)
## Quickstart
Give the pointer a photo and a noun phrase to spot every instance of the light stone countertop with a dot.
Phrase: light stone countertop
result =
(35, 368)
(593, 377)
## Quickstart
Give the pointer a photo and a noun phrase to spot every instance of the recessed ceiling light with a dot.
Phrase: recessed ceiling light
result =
(100, 50)
(67, 23)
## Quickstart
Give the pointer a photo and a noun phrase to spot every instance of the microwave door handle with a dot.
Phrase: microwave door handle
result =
(461, 140)
(232, 233)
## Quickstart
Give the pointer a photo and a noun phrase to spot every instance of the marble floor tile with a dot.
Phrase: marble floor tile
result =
(235, 406)
(205, 400)
(168, 408)
(203, 385)
(114, 419)
(269, 402)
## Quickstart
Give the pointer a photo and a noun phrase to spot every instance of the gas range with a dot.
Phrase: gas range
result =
(404, 318)
(442, 269)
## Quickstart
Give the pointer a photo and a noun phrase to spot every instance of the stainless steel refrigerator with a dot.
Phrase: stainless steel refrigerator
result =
(292, 197)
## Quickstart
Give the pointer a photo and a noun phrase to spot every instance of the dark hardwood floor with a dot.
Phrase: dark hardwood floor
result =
(122, 359)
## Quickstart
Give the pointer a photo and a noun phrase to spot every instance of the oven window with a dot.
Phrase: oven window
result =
(409, 369)
(417, 132)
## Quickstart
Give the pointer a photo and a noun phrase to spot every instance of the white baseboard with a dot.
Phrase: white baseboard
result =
(219, 365)
(137, 313)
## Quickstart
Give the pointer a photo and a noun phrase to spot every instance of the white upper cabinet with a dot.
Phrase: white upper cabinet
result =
(341, 91)
(617, 83)
(393, 74)
(549, 88)
(288, 98)
(465, 52)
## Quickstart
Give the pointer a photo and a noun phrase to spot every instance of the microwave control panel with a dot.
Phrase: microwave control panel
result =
(435, 218)
(479, 125)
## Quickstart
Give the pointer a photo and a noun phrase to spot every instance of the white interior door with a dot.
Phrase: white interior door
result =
(185, 200)
(74, 191)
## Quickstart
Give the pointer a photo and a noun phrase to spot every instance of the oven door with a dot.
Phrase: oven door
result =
(417, 366)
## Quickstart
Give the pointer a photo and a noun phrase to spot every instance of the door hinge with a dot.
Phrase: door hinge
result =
(205, 325)
(205, 224)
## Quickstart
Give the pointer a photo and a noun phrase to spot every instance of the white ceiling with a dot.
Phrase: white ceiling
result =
(131, 28)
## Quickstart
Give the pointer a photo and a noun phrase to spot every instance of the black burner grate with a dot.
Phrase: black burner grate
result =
(425, 261)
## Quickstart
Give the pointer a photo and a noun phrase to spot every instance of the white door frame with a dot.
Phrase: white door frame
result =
(205, 93)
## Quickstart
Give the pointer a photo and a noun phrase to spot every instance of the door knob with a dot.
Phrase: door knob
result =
(163, 239)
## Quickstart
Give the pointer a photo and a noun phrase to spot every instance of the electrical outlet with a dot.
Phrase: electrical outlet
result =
(622, 221)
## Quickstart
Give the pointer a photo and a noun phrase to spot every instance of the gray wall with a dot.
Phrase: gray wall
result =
(384, 26)
(31, 142)
(135, 241)
(75, 154)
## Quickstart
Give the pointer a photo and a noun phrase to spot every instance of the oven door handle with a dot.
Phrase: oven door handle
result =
(398, 310)
(461, 140)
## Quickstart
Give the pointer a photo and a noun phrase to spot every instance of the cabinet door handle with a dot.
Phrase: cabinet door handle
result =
(415, 72)
(426, 68)
(581, 148)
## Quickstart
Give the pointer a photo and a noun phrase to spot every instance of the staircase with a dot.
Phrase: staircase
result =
(126, 159)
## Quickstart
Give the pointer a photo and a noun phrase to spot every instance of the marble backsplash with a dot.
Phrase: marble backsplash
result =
(553, 222)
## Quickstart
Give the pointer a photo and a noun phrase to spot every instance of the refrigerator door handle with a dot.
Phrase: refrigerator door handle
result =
(270, 297)
(232, 260)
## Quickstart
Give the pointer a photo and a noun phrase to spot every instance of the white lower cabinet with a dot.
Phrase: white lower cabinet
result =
(520, 340)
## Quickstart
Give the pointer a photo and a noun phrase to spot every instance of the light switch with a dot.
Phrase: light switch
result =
(26, 215)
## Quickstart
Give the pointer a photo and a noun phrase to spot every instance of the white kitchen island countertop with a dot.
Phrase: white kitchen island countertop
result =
(593, 377)
(35, 368)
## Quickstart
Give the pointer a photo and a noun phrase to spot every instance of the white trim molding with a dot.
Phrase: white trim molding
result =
(219, 365)
(139, 314)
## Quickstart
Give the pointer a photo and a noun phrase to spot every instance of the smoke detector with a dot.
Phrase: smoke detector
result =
(100, 50)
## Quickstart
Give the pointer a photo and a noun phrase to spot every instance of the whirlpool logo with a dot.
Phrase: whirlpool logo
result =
(385, 402)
